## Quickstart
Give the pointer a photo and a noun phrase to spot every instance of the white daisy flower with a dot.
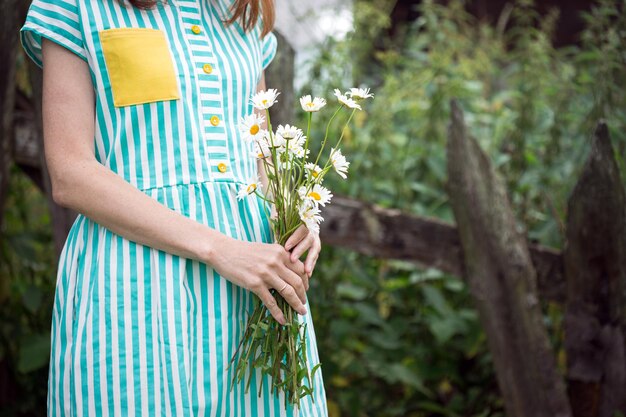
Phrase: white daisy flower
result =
(300, 152)
(360, 93)
(312, 105)
(313, 171)
(318, 194)
(261, 149)
(339, 162)
(348, 102)
(296, 142)
(289, 139)
(249, 188)
(290, 149)
(310, 215)
(265, 99)
(250, 127)
(276, 140)
(289, 132)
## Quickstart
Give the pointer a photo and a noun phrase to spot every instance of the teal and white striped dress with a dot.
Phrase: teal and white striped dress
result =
(137, 331)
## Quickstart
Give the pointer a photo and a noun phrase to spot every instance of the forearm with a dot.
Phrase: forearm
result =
(97, 192)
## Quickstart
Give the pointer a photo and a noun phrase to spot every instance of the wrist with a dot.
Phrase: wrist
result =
(211, 246)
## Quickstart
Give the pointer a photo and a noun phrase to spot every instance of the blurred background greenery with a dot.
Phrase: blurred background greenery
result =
(396, 339)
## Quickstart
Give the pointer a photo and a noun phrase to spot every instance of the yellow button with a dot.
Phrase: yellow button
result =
(207, 68)
(215, 120)
(222, 167)
(196, 29)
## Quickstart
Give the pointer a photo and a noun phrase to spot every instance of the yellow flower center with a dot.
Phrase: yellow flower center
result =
(251, 188)
(254, 129)
(310, 104)
(264, 102)
(315, 173)
(315, 195)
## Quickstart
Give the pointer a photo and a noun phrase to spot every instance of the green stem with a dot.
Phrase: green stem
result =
(326, 134)
(306, 146)
(343, 131)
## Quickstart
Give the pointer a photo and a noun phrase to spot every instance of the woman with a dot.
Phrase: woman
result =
(141, 106)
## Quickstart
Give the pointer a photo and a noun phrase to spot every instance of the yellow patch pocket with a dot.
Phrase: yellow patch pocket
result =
(139, 64)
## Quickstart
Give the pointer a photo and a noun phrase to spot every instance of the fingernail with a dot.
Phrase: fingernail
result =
(303, 311)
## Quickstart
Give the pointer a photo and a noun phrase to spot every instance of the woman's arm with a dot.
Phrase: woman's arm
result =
(80, 182)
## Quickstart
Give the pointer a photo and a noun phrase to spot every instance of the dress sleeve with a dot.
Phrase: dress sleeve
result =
(57, 20)
(270, 43)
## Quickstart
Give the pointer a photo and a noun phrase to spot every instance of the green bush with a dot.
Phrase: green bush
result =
(27, 279)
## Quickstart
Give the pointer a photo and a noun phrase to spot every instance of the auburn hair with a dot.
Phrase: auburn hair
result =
(247, 12)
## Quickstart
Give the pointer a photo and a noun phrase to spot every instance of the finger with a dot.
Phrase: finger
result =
(296, 266)
(313, 266)
(301, 248)
(297, 282)
(294, 292)
(305, 281)
(311, 258)
(270, 302)
(309, 261)
(296, 237)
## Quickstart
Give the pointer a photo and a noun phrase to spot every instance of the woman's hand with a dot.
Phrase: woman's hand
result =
(259, 267)
(301, 240)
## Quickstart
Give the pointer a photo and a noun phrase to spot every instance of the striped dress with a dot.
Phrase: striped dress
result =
(137, 331)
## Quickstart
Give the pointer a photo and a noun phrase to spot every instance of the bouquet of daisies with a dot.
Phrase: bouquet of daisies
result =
(294, 196)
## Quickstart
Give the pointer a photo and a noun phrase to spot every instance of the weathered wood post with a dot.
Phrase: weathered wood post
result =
(502, 281)
(595, 271)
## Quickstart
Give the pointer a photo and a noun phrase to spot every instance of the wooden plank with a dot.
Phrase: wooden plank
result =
(502, 281)
(389, 233)
(595, 267)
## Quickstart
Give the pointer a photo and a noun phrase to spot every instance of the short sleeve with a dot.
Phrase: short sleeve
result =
(270, 44)
(57, 20)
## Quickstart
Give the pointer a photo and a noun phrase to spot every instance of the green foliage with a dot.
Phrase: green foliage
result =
(395, 340)
(27, 278)
(399, 341)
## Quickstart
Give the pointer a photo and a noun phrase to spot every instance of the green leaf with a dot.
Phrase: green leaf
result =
(435, 298)
(347, 290)
(32, 298)
(314, 369)
(34, 352)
